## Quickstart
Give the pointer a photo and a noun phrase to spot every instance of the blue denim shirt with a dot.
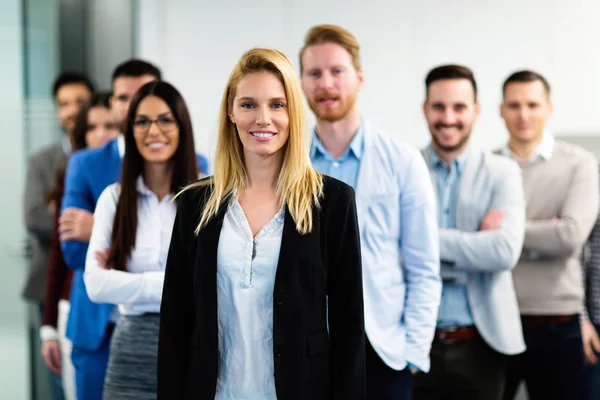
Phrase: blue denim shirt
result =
(454, 307)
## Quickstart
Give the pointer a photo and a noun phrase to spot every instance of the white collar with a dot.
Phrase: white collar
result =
(142, 189)
(121, 145)
(543, 151)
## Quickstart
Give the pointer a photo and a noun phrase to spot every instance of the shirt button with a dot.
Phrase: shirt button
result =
(277, 352)
(336, 164)
(279, 300)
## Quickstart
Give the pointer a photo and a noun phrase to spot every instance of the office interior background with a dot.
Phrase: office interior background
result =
(196, 44)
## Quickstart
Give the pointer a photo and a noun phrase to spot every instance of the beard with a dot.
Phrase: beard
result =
(68, 123)
(450, 148)
(346, 104)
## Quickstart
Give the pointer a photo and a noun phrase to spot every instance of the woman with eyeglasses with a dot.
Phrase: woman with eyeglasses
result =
(130, 239)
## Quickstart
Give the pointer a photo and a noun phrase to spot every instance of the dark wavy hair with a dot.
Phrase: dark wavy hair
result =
(184, 163)
(98, 99)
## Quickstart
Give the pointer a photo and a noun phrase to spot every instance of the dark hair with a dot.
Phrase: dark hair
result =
(135, 68)
(185, 168)
(71, 78)
(98, 99)
(77, 140)
(523, 77)
(451, 71)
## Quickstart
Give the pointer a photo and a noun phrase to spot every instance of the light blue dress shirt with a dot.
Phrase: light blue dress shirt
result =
(454, 307)
(246, 269)
(345, 168)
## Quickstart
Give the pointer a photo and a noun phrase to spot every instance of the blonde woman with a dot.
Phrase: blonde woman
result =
(257, 249)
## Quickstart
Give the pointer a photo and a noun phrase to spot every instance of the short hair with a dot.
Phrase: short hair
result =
(322, 34)
(136, 68)
(525, 76)
(450, 71)
(71, 78)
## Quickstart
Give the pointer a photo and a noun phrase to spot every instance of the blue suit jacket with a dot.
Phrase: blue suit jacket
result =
(89, 172)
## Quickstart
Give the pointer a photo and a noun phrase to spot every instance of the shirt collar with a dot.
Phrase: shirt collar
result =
(459, 162)
(543, 151)
(121, 145)
(356, 146)
(142, 189)
(66, 145)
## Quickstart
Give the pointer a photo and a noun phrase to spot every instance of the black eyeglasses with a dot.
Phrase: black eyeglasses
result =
(165, 124)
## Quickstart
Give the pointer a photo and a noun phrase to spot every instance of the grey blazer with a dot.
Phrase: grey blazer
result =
(41, 177)
(488, 182)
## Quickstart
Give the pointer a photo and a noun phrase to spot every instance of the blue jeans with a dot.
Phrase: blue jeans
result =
(591, 378)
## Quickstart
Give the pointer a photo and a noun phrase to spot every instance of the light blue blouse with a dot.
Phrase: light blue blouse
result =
(246, 268)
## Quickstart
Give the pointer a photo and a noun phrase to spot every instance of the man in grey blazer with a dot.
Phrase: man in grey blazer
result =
(70, 91)
(481, 215)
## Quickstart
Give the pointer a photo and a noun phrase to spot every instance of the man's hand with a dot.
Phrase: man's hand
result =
(492, 220)
(75, 224)
(591, 342)
(51, 354)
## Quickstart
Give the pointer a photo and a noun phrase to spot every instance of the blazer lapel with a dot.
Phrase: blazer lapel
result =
(209, 236)
(466, 187)
(288, 250)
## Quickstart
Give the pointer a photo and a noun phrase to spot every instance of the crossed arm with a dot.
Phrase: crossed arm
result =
(491, 249)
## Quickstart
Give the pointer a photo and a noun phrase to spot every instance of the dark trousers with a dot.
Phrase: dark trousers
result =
(591, 378)
(552, 365)
(385, 383)
(465, 370)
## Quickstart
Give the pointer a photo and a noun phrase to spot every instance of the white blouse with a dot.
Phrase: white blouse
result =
(138, 289)
(246, 269)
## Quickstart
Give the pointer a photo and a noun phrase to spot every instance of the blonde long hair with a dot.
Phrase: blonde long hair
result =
(299, 186)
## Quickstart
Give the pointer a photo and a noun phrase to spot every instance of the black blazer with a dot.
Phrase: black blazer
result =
(309, 362)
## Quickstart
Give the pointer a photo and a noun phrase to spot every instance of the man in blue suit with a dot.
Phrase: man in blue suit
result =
(481, 215)
(89, 172)
(396, 214)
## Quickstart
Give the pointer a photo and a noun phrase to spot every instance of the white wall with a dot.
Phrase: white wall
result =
(197, 44)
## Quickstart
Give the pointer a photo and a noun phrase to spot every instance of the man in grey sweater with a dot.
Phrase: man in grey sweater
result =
(560, 182)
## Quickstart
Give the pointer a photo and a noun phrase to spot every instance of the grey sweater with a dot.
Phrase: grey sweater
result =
(561, 196)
